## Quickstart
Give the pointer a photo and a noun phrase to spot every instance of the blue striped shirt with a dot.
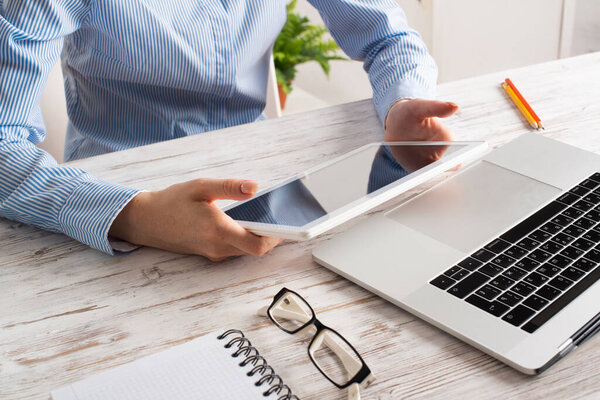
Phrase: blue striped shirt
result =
(142, 71)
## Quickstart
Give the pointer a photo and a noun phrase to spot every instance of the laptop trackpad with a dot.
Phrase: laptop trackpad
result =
(468, 210)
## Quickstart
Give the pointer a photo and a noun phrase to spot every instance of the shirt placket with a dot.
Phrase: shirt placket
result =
(224, 76)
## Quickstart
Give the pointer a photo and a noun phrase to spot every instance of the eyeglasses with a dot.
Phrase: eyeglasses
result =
(333, 356)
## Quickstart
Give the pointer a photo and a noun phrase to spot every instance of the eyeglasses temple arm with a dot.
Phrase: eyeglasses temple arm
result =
(290, 315)
(294, 311)
(354, 392)
(349, 362)
(262, 312)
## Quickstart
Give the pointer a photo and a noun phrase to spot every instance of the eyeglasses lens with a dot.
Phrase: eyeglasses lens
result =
(334, 357)
(290, 312)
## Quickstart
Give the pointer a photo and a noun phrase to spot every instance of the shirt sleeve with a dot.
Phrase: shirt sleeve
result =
(394, 55)
(34, 189)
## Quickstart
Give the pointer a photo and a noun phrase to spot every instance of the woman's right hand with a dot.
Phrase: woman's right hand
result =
(184, 219)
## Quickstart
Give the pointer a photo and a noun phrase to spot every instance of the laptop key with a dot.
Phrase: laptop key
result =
(516, 252)
(592, 236)
(549, 270)
(595, 177)
(491, 270)
(573, 230)
(548, 292)
(470, 263)
(527, 264)
(510, 298)
(493, 307)
(468, 285)
(572, 252)
(488, 292)
(563, 238)
(514, 273)
(579, 190)
(589, 184)
(502, 282)
(497, 246)
(551, 227)
(536, 279)
(518, 315)
(585, 265)
(483, 255)
(568, 198)
(592, 198)
(560, 282)
(503, 260)
(443, 282)
(562, 301)
(538, 218)
(560, 261)
(593, 255)
(572, 212)
(460, 274)
(583, 244)
(539, 255)
(584, 223)
(523, 288)
(583, 205)
(536, 302)
(452, 271)
(594, 215)
(552, 247)
(540, 236)
(562, 220)
(528, 244)
(572, 273)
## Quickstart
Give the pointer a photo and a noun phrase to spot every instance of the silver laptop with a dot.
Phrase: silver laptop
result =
(504, 255)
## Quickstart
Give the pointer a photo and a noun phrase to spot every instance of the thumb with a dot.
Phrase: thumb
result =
(432, 108)
(214, 189)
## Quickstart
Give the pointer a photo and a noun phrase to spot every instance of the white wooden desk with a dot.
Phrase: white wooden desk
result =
(67, 311)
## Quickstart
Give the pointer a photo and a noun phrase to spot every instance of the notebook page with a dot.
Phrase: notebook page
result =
(199, 369)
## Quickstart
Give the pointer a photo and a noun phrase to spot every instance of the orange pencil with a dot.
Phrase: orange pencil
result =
(520, 106)
(524, 102)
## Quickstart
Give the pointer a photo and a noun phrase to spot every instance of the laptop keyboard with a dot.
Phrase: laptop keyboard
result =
(531, 272)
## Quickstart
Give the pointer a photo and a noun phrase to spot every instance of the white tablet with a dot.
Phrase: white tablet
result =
(334, 192)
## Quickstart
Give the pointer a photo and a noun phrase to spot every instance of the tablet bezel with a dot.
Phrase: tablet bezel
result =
(367, 202)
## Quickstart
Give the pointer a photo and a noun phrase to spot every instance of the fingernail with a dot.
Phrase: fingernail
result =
(247, 187)
(451, 104)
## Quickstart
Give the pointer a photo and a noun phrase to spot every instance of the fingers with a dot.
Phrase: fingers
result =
(236, 235)
(213, 189)
(432, 108)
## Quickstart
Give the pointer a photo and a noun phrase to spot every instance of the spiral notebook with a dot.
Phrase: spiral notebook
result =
(219, 365)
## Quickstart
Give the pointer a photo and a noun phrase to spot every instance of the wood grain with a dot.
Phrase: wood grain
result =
(68, 311)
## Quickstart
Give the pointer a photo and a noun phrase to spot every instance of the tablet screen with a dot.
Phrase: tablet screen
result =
(332, 187)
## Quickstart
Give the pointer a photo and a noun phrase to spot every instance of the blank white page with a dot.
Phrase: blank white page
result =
(199, 369)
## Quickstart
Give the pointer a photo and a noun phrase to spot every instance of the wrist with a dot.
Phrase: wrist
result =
(126, 224)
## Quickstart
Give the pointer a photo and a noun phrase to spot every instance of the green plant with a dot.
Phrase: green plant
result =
(300, 42)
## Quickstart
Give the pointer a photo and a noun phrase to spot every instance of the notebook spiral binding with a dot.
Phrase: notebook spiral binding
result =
(260, 365)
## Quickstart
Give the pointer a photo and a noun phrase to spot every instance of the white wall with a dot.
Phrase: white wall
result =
(465, 24)
(586, 33)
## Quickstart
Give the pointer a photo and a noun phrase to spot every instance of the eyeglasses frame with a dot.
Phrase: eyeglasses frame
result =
(362, 373)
